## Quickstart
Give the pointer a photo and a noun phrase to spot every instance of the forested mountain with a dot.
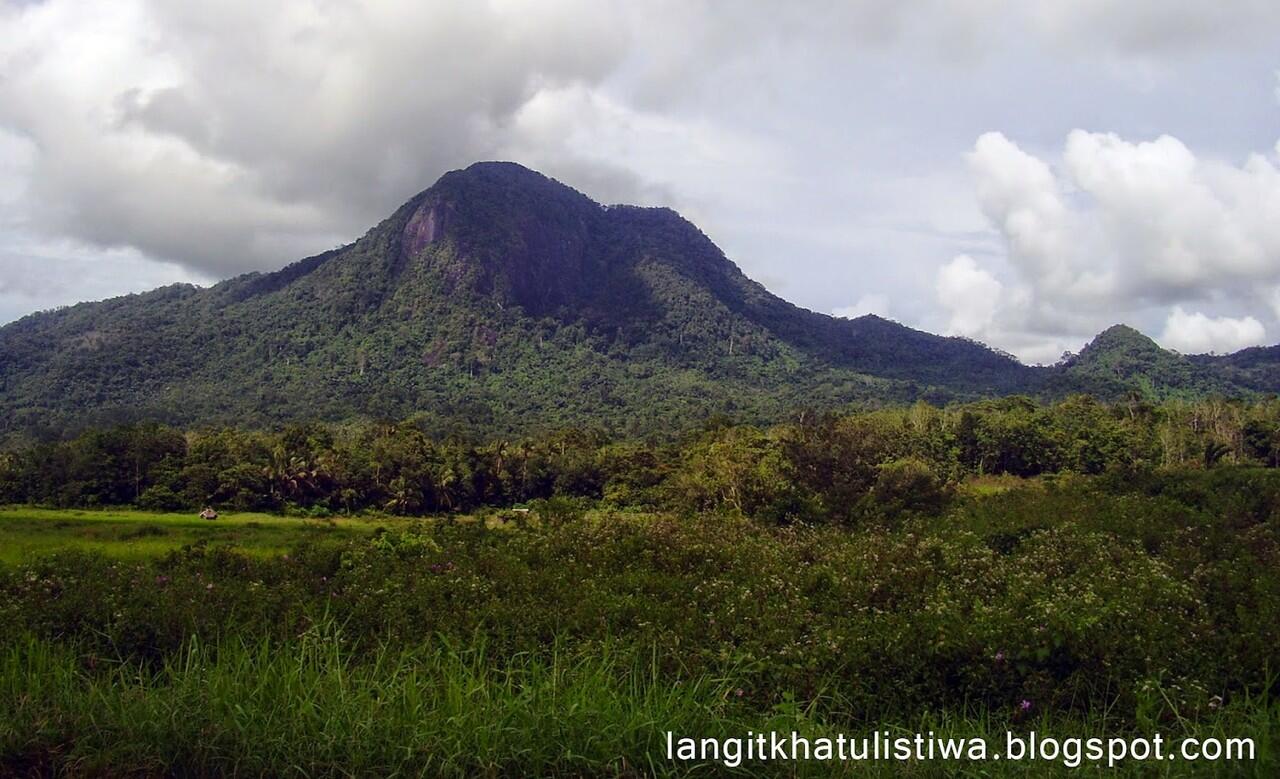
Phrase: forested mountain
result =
(1122, 360)
(501, 301)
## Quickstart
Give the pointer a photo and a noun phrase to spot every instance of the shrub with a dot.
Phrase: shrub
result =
(160, 498)
(904, 487)
(559, 509)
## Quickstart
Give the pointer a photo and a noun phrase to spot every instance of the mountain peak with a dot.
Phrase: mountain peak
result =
(1122, 360)
(484, 201)
(1120, 328)
(1120, 337)
(496, 172)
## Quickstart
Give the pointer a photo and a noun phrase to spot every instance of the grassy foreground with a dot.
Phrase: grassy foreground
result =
(307, 708)
(569, 645)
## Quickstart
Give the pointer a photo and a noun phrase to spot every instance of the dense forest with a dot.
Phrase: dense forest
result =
(502, 303)
(819, 467)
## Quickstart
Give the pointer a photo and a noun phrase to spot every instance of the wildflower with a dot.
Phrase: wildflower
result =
(738, 692)
(209, 586)
(1025, 705)
(1000, 656)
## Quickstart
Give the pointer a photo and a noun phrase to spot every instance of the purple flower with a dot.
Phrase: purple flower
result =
(1025, 705)
(1000, 656)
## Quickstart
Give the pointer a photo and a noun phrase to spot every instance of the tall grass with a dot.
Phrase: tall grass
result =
(305, 708)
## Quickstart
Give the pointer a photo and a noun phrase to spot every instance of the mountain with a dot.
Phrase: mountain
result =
(501, 301)
(1121, 361)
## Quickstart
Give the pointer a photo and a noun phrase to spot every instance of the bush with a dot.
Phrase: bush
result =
(160, 498)
(1077, 596)
(905, 487)
(560, 509)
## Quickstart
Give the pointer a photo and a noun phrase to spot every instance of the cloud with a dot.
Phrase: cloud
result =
(1118, 228)
(1154, 27)
(1022, 197)
(236, 135)
(970, 295)
(1180, 224)
(1196, 333)
(870, 303)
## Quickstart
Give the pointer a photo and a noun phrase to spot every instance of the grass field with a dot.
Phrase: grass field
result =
(124, 534)
(161, 644)
(305, 708)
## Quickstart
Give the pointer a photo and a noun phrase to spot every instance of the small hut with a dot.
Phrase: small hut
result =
(208, 513)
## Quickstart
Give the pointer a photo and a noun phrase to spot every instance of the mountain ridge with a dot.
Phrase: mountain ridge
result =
(500, 300)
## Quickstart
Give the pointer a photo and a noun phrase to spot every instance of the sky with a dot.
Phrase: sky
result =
(1023, 173)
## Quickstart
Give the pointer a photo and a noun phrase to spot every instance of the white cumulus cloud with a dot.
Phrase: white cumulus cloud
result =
(234, 136)
(970, 295)
(871, 303)
(1116, 230)
(1196, 333)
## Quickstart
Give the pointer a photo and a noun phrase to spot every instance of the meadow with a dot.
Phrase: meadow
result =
(130, 534)
(566, 642)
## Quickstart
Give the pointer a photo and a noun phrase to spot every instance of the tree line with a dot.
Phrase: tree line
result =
(817, 467)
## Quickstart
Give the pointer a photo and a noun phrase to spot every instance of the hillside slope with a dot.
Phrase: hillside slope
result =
(1121, 361)
(497, 301)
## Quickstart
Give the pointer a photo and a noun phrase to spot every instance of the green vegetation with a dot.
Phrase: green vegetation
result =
(497, 302)
(566, 641)
(632, 526)
(501, 303)
(820, 468)
(1123, 361)
(26, 533)
(304, 707)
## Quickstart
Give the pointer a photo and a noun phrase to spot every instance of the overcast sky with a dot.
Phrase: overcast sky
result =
(1025, 173)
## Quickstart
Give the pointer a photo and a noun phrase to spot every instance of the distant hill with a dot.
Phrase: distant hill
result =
(501, 301)
(1121, 360)
(1256, 368)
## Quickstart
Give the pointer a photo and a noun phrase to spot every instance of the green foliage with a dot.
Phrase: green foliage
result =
(160, 497)
(1146, 599)
(501, 303)
(559, 509)
(524, 308)
(821, 468)
(1074, 595)
(712, 537)
(905, 487)
(1121, 361)
(28, 533)
(305, 706)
